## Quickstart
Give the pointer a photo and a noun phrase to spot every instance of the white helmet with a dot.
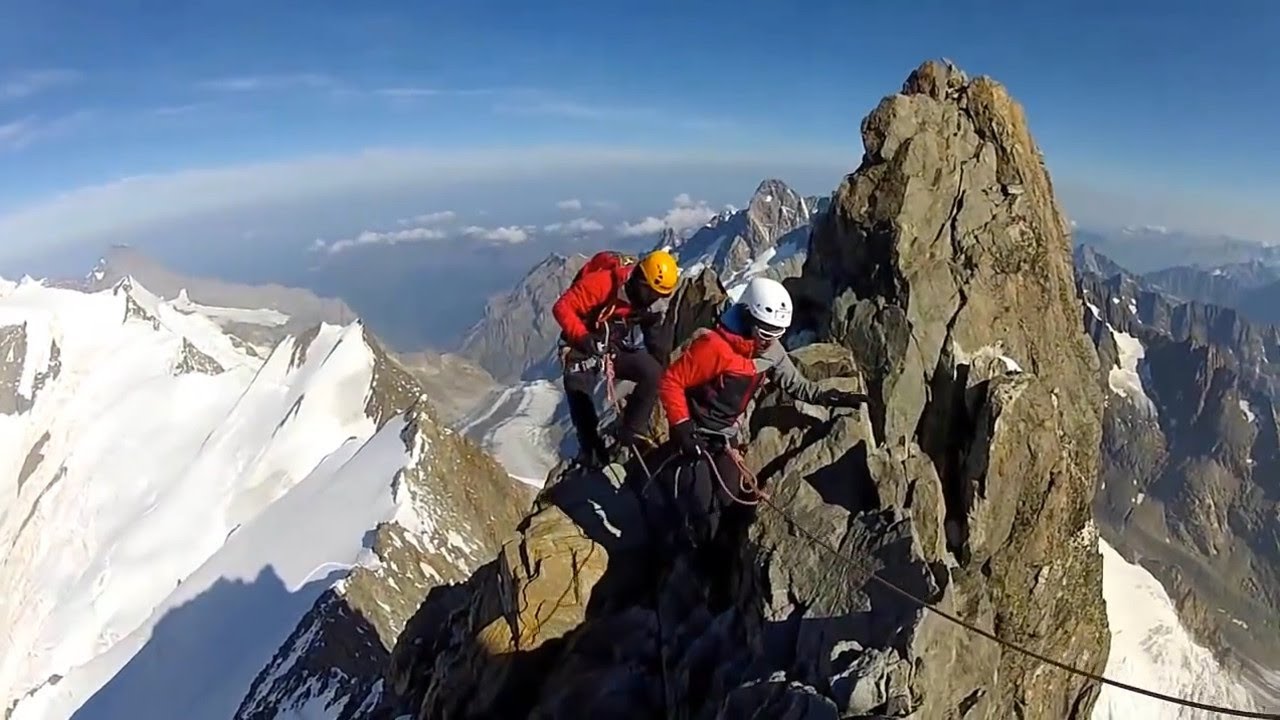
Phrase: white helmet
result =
(770, 304)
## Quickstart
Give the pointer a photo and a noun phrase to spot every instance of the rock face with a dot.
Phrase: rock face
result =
(1190, 452)
(518, 331)
(949, 267)
(942, 277)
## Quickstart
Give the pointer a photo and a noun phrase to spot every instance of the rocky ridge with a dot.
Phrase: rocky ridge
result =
(941, 283)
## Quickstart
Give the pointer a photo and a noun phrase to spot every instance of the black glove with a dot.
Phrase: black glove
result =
(688, 440)
(591, 344)
(841, 399)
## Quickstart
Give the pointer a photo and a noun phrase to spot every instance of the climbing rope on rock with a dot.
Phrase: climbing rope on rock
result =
(893, 588)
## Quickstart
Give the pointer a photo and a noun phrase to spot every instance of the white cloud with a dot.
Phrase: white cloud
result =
(684, 216)
(369, 237)
(408, 93)
(435, 218)
(176, 110)
(570, 204)
(18, 134)
(578, 226)
(31, 82)
(511, 234)
(255, 83)
(561, 108)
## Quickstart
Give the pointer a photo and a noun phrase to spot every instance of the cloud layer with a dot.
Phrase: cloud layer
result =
(685, 215)
(26, 83)
(577, 226)
(511, 234)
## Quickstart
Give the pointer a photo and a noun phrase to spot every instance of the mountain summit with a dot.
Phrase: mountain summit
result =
(769, 235)
(942, 277)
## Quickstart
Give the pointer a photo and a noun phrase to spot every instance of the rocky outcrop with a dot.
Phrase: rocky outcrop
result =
(518, 332)
(192, 360)
(20, 385)
(942, 277)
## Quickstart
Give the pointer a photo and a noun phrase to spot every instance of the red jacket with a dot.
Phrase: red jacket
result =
(713, 380)
(717, 376)
(579, 309)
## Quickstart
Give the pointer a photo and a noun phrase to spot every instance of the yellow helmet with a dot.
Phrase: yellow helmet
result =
(660, 271)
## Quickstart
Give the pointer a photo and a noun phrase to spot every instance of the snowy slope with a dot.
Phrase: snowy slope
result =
(172, 507)
(1151, 649)
(520, 429)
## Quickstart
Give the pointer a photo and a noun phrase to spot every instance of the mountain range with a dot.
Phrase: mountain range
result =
(229, 506)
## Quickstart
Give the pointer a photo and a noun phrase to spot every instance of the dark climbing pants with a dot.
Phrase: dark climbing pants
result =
(698, 499)
(636, 366)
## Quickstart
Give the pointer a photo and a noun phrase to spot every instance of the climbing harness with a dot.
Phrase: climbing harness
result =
(925, 605)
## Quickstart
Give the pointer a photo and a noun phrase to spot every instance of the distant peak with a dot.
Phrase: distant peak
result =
(773, 190)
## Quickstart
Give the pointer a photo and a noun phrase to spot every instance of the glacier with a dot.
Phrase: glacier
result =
(1151, 649)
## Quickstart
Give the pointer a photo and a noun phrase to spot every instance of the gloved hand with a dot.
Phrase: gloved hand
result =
(591, 344)
(688, 440)
(841, 398)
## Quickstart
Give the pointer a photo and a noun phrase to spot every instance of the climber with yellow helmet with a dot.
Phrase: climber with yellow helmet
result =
(612, 315)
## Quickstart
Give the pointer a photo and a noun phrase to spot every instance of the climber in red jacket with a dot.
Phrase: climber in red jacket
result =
(706, 391)
(613, 311)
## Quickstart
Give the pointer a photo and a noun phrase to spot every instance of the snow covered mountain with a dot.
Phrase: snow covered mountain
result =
(769, 237)
(189, 530)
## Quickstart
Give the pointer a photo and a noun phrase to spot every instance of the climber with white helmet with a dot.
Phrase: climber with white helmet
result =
(706, 391)
(611, 319)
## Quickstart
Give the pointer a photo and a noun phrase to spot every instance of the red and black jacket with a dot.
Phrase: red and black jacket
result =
(596, 297)
(600, 297)
(716, 377)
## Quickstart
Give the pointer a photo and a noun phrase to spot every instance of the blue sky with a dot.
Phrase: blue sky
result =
(1148, 112)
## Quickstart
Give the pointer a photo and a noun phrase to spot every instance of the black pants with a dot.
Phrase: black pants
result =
(699, 499)
(637, 366)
